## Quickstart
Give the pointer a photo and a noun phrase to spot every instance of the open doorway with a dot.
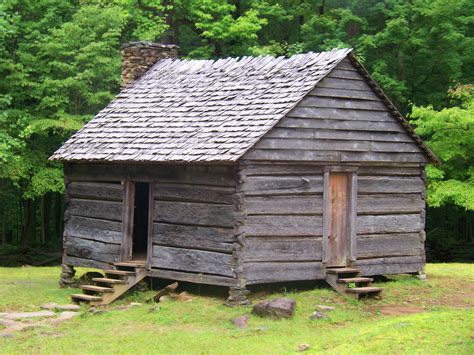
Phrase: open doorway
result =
(140, 221)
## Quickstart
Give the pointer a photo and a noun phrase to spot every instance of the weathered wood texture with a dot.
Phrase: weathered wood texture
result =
(93, 227)
(341, 120)
(213, 175)
(391, 265)
(338, 218)
(390, 222)
(283, 227)
(283, 249)
(267, 272)
(193, 223)
(197, 261)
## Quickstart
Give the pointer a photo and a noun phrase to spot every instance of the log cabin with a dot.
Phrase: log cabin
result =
(244, 171)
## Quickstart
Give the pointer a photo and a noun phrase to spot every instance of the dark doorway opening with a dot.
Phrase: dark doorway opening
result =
(140, 221)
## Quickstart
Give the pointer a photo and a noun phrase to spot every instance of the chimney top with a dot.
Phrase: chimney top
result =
(138, 57)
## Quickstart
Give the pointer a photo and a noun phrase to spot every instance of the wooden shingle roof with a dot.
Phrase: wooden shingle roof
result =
(198, 110)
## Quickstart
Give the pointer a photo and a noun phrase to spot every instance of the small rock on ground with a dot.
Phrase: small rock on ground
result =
(277, 309)
(26, 315)
(64, 316)
(50, 306)
(241, 322)
(325, 308)
(318, 315)
(302, 347)
(135, 304)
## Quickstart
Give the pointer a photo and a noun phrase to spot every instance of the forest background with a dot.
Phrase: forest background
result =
(60, 64)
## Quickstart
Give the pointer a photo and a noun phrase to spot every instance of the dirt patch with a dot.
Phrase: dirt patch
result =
(397, 310)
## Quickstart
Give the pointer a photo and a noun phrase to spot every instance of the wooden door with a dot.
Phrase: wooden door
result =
(338, 218)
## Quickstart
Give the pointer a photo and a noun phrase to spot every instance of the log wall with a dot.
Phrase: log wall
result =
(283, 225)
(284, 216)
(194, 217)
(93, 223)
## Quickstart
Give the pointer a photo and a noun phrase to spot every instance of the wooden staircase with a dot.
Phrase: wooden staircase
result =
(349, 282)
(116, 282)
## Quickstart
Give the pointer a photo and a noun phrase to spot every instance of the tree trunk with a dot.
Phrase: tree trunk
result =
(29, 222)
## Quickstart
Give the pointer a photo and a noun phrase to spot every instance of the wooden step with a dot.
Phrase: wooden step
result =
(361, 290)
(82, 297)
(108, 281)
(131, 264)
(354, 280)
(342, 270)
(97, 288)
(120, 272)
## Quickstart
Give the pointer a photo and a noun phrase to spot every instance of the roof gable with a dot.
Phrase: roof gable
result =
(198, 110)
(341, 120)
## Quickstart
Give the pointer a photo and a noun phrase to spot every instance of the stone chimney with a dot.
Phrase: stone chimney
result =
(138, 57)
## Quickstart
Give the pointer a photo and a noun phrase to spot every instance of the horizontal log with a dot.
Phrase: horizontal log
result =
(389, 203)
(283, 249)
(386, 170)
(386, 245)
(308, 111)
(191, 213)
(77, 227)
(90, 249)
(346, 64)
(194, 278)
(403, 223)
(95, 190)
(193, 237)
(280, 169)
(214, 175)
(94, 224)
(282, 185)
(391, 265)
(308, 133)
(266, 272)
(197, 261)
(332, 156)
(80, 262)
(336, 145)
(345, 74)
(110, 210)
(338, 83)
(359, 106)
(346, 125)
(284, 205)
(385, 184)
(194, 193)
(283, 226)
(344, 93)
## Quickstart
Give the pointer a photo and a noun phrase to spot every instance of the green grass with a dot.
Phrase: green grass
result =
(202, 326)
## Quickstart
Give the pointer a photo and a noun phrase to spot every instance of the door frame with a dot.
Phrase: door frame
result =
(352, 213)
(128, 216)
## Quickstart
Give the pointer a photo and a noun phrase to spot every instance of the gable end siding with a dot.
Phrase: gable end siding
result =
(341, 120)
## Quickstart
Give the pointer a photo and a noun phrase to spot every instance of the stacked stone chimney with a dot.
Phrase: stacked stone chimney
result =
(138, 57)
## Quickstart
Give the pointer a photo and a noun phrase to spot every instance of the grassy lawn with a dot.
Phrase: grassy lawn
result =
(443, 321)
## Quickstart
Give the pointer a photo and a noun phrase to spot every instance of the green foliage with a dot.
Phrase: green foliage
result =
(450, 133)
(60, 64)
(203, 325)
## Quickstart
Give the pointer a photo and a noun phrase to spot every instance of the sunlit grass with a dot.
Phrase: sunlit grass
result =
(202, 326)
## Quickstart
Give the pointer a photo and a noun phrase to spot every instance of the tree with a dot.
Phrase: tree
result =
(450, 133)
